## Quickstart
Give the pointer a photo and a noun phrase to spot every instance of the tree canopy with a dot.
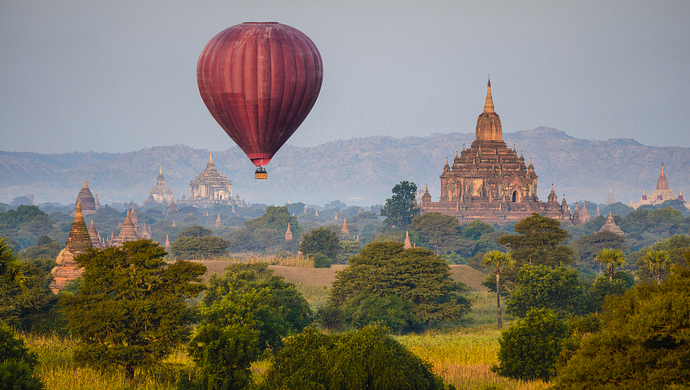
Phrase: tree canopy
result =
(530, 348)
(367, 358)
(540, 241)
(643, 342)
(322, 240)
(440, 231)
(400, 209)
(131, 309)
(414, 277)
(199, 247)
(558, 289)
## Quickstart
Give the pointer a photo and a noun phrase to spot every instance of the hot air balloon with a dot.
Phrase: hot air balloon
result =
(259, 81)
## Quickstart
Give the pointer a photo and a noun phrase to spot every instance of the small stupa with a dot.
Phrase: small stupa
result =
(611, 226)
(78, 242)
(288, 233)
(345, 230)
(86, 199)
(408, 244)
(218, 223)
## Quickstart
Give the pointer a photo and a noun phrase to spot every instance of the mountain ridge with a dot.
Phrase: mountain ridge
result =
(358, 171)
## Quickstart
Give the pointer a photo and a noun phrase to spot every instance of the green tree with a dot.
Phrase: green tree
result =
(611, 258)
(11, 270)
(643, 341)
(530, 348)
(321, 240)
(283, 311)
(588, 246)
(367, 358)
(45, 248)
(347, 250)
(199, 247)
(440, 231)
(658, 264)
(12, 347)
(31, 307)
(539, 242)
(602, 287)
(542, 287)
(476, 229)
(16, 374)
(498, 260)
(131, 309)
(400, 209)
(196, 231)
(227, 341)
(276, 218)
(415, 275)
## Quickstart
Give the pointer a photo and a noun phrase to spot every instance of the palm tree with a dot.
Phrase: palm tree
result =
(658, 262)
(10, 268)
(611, 258)
(498, 260)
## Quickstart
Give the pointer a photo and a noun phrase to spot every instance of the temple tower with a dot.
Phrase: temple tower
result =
(78, 242)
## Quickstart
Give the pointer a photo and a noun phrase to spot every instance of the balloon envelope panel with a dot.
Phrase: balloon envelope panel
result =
(259, 81)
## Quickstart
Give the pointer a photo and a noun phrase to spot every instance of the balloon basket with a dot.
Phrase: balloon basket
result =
(261, 174)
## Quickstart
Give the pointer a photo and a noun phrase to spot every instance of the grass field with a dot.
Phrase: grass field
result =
(462, 356)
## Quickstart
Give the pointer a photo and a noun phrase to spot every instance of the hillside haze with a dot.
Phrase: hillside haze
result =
(359, 171)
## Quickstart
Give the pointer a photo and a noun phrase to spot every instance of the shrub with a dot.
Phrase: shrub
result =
(361, 359)
(530, 348)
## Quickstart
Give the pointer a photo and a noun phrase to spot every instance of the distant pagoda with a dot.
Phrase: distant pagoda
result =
(161, 192)
(209, 187)
(661, 193)
(78, 242)
(87, 200)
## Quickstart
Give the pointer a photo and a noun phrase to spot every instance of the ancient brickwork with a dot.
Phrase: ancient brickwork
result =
(489, 181)
(78, 242)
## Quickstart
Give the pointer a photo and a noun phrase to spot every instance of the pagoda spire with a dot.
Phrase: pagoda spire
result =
(489, 103)
(210, 157)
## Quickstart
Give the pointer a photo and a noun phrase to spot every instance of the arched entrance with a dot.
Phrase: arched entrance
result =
(515, 196)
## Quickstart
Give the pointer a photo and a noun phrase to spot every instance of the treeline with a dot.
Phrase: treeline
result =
(130, 309)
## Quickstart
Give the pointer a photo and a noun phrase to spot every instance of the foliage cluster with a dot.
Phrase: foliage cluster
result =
(131, 309)
(359, 359)
(403, 288)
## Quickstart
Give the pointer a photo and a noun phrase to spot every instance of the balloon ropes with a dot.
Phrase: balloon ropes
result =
(259, 81)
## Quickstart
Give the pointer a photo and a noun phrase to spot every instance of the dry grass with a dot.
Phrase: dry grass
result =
(464, 357)
(470, 276)
(59, 372)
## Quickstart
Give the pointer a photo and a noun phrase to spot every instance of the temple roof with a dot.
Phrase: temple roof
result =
(489, 123)
(662, 182)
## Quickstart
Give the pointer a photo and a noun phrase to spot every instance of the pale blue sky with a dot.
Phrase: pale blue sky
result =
(117, 76)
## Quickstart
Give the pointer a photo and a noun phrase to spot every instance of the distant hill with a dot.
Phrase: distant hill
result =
(359, 171)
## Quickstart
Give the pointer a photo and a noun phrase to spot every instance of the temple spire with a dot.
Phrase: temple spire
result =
(210, 157)
(161, 171)
(489, 103)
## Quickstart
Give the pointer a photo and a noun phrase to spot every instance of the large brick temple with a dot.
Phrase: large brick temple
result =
(490, 182)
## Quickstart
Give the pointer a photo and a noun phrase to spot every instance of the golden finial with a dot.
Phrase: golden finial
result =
(210, 157)
(489, 103)
(161, 172)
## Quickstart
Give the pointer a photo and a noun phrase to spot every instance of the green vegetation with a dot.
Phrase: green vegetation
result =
(388, 283)
(542, 287)
(321, 241)
(400, 208)
(498, 260)
(530, 348)
(131, 309)
(359, 359)
(642, 343)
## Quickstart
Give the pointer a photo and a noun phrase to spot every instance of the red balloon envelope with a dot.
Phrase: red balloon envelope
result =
(259, 81)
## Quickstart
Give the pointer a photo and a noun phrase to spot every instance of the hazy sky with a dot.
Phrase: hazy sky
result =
(117, 76)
